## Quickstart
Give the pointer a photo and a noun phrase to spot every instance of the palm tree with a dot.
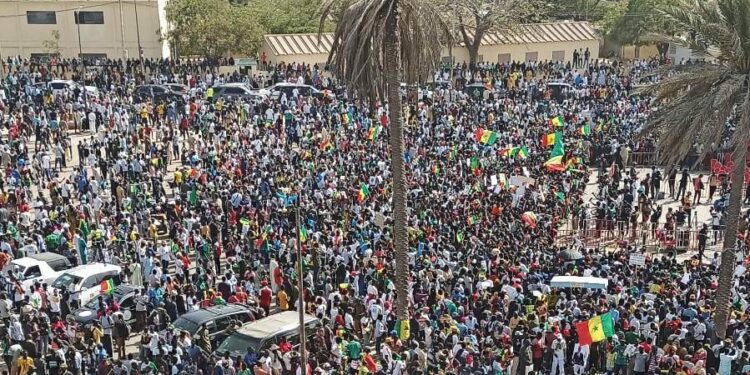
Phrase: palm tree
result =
(699, 100)
(376, 44)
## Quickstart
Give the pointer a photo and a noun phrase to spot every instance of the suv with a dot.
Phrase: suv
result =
(216, 319)
(230, 92)
(59, 85)
(123, 294)
(42, 267)
(276, 90)
(260, 335)
(157, 94)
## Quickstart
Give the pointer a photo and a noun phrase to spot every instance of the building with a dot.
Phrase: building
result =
(537, 42)
(553, 41)
(40, 28)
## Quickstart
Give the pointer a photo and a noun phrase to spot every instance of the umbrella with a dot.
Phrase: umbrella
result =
(529, 218)
(570, 255)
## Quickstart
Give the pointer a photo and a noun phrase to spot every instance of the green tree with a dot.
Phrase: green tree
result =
(288, 16)
(212, 28)
(377, 45)
(698, 100)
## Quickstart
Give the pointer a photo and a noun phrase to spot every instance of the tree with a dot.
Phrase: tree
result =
(376, 44)
(636, 20)
(476, 18)
(288, 16)
(700, 98)
(52, 46)
(212, 28)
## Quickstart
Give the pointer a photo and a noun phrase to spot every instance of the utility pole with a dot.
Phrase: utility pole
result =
(82, 60)
(138, 35)
(122, 34)
(301, 294)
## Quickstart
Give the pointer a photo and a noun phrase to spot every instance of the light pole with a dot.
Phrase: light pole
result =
(122, 34)
(80, 57)
(138, 36)
(301, 293)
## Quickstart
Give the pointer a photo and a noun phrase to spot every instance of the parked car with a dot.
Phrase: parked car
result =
(276, 90)
(59, 85)
(124, 295)
(216, 319)
(157, 94)
(261, 334)
(42, 268)
(84, 282)
(235, 91)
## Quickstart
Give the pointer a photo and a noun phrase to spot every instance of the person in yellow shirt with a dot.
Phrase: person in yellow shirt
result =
(97, 333)
(283, 299)
(24, 364)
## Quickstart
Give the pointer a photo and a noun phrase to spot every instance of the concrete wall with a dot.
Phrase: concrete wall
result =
(518, 52)
(460, 54)
(17, 37)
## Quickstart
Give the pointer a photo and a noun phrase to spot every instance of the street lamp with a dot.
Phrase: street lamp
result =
(80, 56)
(138, 36)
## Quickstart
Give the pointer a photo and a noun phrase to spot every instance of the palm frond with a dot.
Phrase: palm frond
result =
(358, 46)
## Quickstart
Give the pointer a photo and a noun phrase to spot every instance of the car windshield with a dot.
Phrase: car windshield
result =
(238, 343)
(58, 85)
(66, 280)
(186, 325)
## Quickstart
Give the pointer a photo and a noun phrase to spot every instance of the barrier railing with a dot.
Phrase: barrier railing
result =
(681, 239)
(643, 158)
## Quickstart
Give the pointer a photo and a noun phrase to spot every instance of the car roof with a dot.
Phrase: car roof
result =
(281, 322)
(232, 84)
(49, 257)
(124, 289)
(88, 269)
(61, 81)
(212, 312)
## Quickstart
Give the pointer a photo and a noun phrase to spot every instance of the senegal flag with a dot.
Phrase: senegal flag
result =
(303, 234)
(373, 133)
(488, 138)
(107, 287)
(557, 121)
(595, 329)
(548, 139)
(584, 130)
(364, 192)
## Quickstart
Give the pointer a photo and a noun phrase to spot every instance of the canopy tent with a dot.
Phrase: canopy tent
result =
(578, 282)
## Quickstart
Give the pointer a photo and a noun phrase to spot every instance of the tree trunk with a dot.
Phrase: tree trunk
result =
(726, 269)
(396, 139)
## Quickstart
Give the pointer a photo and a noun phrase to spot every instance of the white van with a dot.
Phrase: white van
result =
(84, 282)
(42, 268)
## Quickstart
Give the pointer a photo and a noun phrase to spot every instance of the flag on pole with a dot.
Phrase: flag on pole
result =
(303, 233)
(107, 287)
(472, 220)
(584, 130)
(326, 145)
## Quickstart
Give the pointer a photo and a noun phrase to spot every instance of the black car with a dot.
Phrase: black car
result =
(157, 94)
(124, 295)
(216, 318)
(235, 91)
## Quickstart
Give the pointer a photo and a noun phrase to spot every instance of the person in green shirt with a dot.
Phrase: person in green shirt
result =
(621, 360)
(354, 349)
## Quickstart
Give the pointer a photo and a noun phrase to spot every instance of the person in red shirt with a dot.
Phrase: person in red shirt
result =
(265, 297)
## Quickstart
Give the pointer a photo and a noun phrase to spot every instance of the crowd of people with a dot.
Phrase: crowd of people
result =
(196, 203)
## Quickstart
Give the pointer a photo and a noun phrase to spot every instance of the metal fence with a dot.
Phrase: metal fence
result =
(621, 234)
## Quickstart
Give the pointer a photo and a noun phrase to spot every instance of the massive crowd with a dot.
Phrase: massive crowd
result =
(195, 203)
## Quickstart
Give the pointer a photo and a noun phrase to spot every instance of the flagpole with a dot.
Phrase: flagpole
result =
(301, 294)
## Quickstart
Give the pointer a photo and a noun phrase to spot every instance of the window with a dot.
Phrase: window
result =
(558, 56)
(89, 18)
(32, 272)
(41, 18)
(503, 58)
(532, 56)
(480, 58)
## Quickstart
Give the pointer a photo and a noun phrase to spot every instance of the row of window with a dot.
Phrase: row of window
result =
(50, 18)
(504, 58)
